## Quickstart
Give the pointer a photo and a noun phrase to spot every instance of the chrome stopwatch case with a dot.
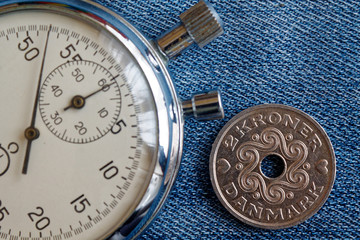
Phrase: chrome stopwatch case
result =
(91, 125)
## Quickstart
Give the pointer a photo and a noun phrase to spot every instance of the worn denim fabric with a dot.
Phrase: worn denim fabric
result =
(302, 53)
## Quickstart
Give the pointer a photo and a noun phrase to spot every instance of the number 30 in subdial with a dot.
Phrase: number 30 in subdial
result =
(80, 101)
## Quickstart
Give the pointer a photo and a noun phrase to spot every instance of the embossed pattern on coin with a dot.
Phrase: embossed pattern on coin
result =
(295, 140)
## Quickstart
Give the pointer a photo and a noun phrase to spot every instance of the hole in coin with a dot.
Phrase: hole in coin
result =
(272, 166)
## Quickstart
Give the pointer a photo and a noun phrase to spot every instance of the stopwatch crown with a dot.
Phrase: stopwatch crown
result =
(202, 23)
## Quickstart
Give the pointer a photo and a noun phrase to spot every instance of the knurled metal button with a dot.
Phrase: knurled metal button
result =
(307, 159)
(202, 23)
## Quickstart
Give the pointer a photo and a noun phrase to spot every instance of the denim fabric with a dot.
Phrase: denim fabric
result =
(302, 53)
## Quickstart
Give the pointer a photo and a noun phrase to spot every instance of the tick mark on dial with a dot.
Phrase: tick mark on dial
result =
(64, 133)
(95, 69)
(99, 131)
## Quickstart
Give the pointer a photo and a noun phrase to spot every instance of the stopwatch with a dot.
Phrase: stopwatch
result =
(91, 124)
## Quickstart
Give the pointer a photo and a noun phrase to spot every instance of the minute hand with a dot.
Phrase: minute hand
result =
(79, 101)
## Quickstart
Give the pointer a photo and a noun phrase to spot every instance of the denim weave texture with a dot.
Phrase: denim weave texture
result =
(300, 53)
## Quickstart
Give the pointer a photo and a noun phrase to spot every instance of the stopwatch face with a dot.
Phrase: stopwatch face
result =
(79, 87)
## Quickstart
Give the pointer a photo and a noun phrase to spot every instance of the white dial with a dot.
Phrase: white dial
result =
(70, 191)
(80, 101)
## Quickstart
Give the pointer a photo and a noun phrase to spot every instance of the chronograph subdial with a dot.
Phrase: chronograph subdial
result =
(80, 101)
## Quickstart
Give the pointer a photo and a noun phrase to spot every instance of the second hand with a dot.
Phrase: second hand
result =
(32, 133)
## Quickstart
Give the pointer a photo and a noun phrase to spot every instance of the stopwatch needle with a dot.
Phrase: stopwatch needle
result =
(32, 133)
(78, 101)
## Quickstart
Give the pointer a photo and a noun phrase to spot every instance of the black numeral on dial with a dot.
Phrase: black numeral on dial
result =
(56, 118)
(117, 128)
(40, 222)
(56, 90)
(79, 77)
(68, 52)
(80, 127)
(31, 53)
(80, 204)
(109, 170)
(3, 212)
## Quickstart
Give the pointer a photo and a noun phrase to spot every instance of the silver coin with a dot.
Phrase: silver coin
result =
(305, 170)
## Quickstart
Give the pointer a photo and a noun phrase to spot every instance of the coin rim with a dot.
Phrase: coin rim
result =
(216, 187)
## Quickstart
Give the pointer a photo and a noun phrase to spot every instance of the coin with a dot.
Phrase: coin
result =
(284, 138)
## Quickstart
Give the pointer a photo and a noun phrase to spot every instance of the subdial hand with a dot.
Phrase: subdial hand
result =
(79, 101)
(32, 133)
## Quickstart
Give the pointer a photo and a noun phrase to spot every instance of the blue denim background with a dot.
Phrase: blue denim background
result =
(298, 52)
